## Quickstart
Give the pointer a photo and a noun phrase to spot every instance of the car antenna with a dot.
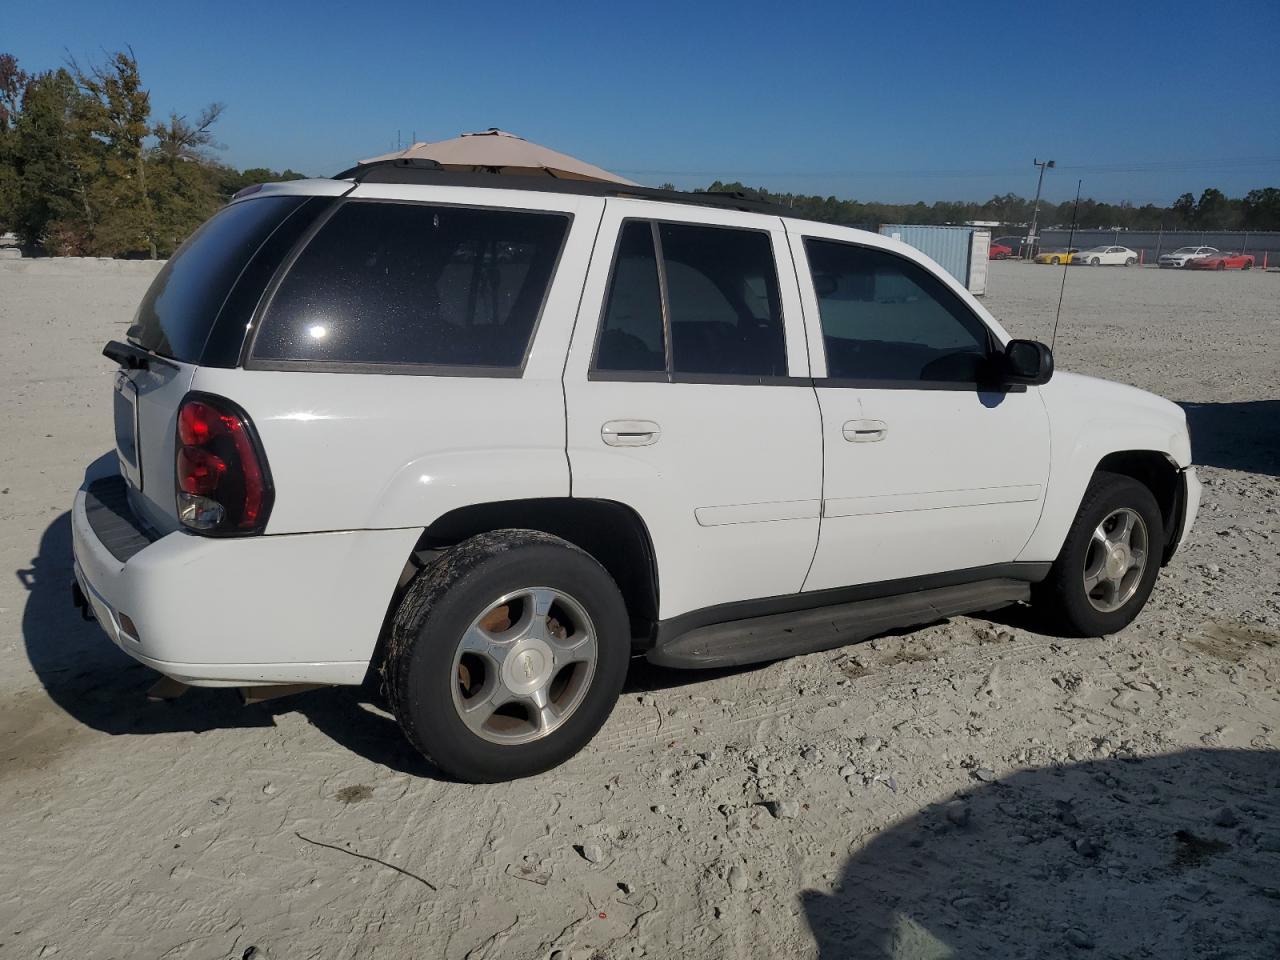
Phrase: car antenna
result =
(1066, 264)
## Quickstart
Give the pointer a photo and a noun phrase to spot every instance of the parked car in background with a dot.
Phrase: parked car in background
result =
(1056, 257)
(1223, 261)
(1107, 256)
(1000, 251)
(1184, 255)
(1018, 245)
(692, 428)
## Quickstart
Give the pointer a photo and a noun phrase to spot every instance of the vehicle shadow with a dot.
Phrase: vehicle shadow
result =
(1170, 856)
(1236, 436)
(103, 688)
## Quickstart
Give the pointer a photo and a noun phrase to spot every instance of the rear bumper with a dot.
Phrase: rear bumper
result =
(304, 608)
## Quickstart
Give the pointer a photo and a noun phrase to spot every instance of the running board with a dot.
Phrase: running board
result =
(780, 635)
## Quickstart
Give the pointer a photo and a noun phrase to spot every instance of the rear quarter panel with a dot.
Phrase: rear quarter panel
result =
(350, 451)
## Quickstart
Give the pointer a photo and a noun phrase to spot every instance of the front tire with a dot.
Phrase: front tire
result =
(1108, 563)
(1130, 261)
(507, 655)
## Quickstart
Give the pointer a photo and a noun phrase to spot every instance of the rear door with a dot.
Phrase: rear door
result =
(926, 470)
(688, 399)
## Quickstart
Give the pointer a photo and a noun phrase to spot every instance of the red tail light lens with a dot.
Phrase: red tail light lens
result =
(221, 477)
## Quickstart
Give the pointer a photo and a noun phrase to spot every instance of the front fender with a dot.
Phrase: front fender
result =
(1089, 420)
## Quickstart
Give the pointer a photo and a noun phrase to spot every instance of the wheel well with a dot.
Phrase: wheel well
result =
(1158, 474)
(610, 531)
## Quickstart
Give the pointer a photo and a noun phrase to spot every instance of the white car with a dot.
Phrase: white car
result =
(492, 437)
(1106, 256)
(1184, 255)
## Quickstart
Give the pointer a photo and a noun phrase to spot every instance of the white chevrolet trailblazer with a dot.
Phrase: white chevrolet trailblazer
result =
(490, 437)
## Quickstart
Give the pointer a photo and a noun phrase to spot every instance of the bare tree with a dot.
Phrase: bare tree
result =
(183, 139)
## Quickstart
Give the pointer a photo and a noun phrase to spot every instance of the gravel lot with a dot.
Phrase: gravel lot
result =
(970, 789)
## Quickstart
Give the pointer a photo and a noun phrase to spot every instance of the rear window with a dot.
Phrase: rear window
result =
(179, 309)
(414, 284)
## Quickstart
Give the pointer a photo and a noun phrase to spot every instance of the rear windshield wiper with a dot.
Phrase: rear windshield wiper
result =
(132, 357)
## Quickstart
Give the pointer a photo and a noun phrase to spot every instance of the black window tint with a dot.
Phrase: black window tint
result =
(722, 295)
(179, 309)
(886, 318)
(397, 283)
(631, 334)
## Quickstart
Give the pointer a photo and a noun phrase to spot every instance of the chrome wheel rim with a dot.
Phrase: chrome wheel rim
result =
(1115, 560)
(524, 665)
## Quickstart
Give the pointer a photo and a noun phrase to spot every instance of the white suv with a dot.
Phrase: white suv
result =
(491, 437)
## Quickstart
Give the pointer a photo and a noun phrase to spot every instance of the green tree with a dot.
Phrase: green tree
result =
(13, 81)
(1214, 211)
(50, 205)
(1260, 209)
(116, 117)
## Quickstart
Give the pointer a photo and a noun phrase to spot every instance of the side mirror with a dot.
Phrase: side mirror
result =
(1027, 361)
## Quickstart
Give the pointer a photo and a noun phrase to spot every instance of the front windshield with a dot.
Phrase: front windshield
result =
(1097, 250)
(1184, 250)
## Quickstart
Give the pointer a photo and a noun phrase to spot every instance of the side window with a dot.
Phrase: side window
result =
(400, 283)
(887, 318)
(723, 311)
(722, 294)
(631, 336)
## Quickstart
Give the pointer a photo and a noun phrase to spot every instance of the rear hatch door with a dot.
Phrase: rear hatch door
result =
(167, 342)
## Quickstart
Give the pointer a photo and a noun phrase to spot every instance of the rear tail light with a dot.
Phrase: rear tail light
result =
(221, 477)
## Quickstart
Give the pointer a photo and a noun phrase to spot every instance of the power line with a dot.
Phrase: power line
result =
(1135, 166)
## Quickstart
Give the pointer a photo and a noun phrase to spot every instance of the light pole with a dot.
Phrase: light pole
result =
(1035, 213)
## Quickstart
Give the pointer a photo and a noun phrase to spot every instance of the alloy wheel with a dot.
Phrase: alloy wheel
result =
(524, 665)
(1116, 559)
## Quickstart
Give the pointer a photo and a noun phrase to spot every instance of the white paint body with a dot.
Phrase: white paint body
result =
(1183, 255)
(1106, 256)
(747, 491)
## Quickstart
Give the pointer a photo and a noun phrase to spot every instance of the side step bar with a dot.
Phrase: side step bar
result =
(781, 635)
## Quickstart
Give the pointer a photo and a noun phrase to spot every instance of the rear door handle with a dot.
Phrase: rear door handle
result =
(865, 431)
(630, 433)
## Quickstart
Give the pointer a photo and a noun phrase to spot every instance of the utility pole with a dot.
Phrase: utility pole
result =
(1035, 213)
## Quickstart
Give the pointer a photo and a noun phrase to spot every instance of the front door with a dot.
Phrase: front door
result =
(927, 471)
(688, 399)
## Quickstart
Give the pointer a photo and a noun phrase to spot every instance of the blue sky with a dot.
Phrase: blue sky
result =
(892, 101)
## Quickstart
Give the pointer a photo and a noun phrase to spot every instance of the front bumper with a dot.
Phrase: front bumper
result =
(303, 608)
(1191, 488)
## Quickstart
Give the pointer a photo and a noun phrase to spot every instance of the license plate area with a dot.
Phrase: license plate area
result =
(125, 407)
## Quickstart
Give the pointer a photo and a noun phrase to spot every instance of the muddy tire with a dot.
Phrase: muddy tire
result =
(507, 655)
(1108, 563)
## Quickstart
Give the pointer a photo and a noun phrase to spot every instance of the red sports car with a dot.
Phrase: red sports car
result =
(1000, 252)
(1223, 261)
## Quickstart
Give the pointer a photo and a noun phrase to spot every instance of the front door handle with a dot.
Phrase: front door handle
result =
(865, 431)
(630, 433)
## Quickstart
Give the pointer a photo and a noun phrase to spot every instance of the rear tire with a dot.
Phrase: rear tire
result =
(1097, 549)
(1130, 261)
(1055, 261)
(516, 618)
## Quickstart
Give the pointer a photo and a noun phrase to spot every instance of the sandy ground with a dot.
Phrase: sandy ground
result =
(970, 789)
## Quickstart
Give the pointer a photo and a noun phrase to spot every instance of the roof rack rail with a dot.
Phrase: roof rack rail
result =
(422, 171)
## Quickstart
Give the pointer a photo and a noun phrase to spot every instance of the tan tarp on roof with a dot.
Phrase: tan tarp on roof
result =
(500, 152)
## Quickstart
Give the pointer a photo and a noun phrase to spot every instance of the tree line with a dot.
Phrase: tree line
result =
(86, 171)
(1257, 210)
